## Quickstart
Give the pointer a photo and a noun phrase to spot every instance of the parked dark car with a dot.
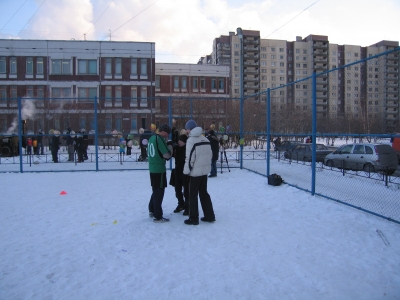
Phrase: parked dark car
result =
(286, 145)
(303, 152)
(363, 156)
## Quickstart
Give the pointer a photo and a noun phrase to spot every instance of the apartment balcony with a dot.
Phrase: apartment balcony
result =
(391, 91)
(392, 104)
(322, 81)
(223, 55)
(322, 95)
(251, 86)
(392, 84)
(392, 97)
(392, 63)
(320, 52)
(392, 71)
(251, 48)
(251, 56)
(251, 79)
(251, 63)
(391, 77)
(320, 59)
(321, 88)
(320, 67)
(392, 56)
(322, 103)
(251, 42)
(391, 116)
(251, 71)
(320, 45)
(223, 47)
(252, 89)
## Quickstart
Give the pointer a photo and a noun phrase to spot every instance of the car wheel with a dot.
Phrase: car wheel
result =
(330, 164)
(369, 168)
(390, 171)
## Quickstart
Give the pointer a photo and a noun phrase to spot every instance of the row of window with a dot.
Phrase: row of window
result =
(64, 66)
(181, 82)
(83, 92)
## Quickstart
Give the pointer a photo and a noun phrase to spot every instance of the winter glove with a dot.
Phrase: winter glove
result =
(170, 148)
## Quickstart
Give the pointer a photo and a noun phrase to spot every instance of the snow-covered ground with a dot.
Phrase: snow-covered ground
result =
(97, 242)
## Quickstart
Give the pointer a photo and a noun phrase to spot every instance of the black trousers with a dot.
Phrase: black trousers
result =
(158, 185)
(198, 186)
(155, 204)
(182, 196)
(54, 154)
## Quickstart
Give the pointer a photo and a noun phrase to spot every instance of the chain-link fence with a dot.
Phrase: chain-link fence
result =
(322, 134)
(328, 127)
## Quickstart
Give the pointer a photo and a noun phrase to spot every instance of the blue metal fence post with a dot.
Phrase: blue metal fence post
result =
(240, 35)
(20, 134)
(268, 108)
(170, 123)
(314, 130)
(191, 108)
(96, 133)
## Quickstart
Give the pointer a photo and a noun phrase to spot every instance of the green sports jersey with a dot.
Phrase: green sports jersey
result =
(154, 154)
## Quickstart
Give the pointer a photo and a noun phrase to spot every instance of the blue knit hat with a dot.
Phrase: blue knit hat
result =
(190, 124)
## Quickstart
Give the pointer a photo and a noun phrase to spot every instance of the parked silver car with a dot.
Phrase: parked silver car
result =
(303, 152)
(362, 156)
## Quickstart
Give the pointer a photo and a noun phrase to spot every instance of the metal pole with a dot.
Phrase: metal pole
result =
(20, 134)
(96, 134)
(170, 123)
(268, 128)
(314, 130)
(240, 35)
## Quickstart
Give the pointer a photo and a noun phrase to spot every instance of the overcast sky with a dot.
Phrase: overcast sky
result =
(183, 30)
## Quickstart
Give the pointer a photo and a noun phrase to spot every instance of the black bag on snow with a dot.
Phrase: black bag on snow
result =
(275, 179)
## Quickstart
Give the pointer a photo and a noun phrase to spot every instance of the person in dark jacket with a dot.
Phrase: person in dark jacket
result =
(85, 145)
(40, 142)
(80, 146)
(215, 151)
(55, 145)
(181, 180)
(70, 144)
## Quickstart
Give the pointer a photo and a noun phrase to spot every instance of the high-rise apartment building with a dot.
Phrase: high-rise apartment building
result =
(366, 90)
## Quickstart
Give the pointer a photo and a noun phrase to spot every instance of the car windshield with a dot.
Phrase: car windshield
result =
(321, 147)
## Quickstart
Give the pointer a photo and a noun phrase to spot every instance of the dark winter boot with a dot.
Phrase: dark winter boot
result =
(192, 222)
(179, 208)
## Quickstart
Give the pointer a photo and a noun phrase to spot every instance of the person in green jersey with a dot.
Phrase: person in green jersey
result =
(157, 153)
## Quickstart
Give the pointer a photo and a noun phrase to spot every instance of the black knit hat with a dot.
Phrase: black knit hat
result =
(183, 138)
(165, 128)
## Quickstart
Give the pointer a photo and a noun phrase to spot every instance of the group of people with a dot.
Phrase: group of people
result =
(193, 163)
(35, 143)
(76, 142)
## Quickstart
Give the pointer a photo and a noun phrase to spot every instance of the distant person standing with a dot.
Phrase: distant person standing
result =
(80, 146)
(70, 144)
(214, 142)
(29, 146)
(55, 145)
(85, 145)
(35, 146)
(40, 142)
(197, 166)
(158, 152)
(181, 180)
